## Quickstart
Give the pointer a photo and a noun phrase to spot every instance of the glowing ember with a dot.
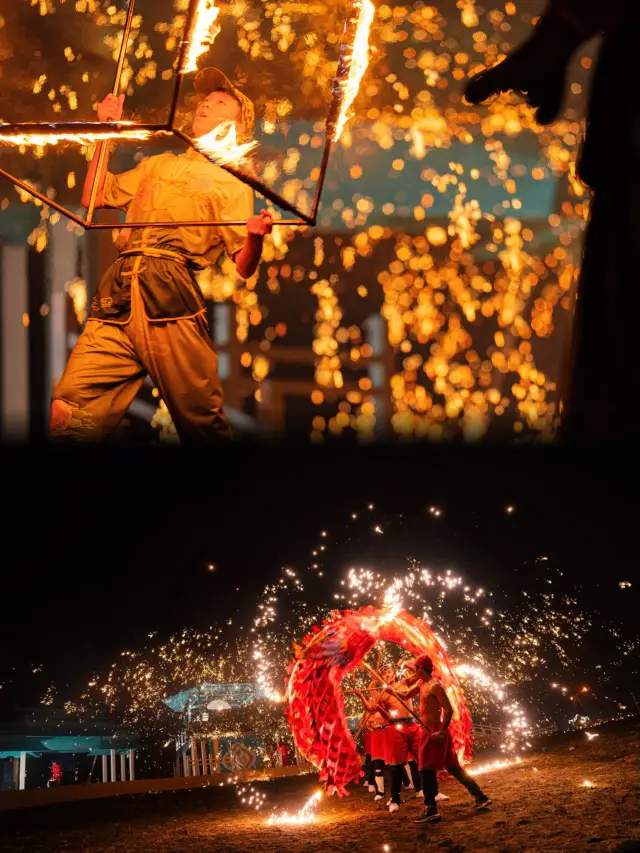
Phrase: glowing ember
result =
(357, 65)
(77, 290)
(305, 815)
(221, 144)
(205, 29)
(588, 784)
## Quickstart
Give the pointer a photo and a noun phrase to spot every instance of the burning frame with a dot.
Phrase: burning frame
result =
(199, 32)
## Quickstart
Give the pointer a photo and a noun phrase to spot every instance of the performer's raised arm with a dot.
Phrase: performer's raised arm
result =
(248, 258)
(109, 109)
(373, 705)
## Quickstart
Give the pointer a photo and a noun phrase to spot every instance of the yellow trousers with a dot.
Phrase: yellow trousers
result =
(110, 362)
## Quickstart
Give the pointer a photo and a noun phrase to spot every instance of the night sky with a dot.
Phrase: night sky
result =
(100, 549)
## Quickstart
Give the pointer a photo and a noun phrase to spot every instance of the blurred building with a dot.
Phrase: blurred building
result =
(86, 750)
(209, 744)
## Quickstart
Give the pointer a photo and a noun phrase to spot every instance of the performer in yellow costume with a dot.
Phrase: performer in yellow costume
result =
(148, 315)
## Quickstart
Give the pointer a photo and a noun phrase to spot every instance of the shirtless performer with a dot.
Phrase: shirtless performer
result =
(436, 746)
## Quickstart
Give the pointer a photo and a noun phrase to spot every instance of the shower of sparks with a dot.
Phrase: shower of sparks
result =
(471, 296)
(417, 586)
(506, 651)
(203, 33)
(500, 646)
(220, 144)
(357, 64)
(305, 815)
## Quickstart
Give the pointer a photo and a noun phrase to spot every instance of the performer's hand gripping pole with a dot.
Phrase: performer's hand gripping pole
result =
(365, 718)
(102, 150)
(389, 687)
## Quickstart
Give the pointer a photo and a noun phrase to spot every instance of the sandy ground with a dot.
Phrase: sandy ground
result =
(539, 805)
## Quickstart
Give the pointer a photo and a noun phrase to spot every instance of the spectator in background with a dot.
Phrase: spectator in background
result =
(56, 775)
(284, 754)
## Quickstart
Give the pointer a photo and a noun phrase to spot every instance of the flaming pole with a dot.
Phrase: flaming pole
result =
(76, 131)
(196, 223)
(184, 47)
(116, 86)
(357, 15)
(334, 110)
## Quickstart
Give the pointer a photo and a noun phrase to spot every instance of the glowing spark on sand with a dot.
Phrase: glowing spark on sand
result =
(588, 784)
(305, 815)
(493, 765)
(221, 144)
(357, 65)
(205, 29)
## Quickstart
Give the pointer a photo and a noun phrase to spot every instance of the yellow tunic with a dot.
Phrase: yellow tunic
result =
(170, 188)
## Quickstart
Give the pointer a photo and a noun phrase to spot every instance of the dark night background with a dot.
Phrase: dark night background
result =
(100, 549)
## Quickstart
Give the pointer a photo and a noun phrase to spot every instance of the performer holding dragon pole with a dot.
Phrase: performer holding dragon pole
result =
(435, 751)
(376, 724)
(148, 315)
(399, 737)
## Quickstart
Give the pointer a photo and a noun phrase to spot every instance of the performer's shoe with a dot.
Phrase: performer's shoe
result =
(378, 797)
(429, 815)
(420, 795)
(481, 803)
(441, 798)
(393, 807)
(372, 789)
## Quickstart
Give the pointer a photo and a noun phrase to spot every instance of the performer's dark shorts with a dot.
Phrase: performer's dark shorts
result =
(378, 744)
(401, 740)
(436, 756)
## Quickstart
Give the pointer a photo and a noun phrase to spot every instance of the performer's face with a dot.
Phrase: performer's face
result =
(216, 108)
(389, 674)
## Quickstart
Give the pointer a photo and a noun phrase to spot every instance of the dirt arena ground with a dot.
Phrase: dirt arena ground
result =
(539, 805)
